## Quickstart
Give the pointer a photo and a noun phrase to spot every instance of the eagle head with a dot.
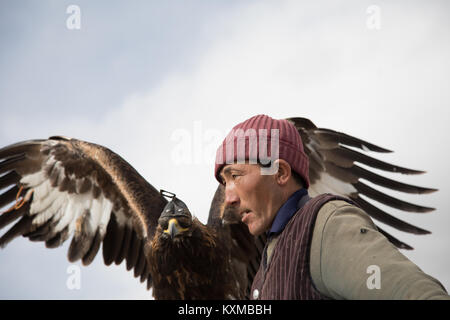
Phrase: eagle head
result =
(175, 220)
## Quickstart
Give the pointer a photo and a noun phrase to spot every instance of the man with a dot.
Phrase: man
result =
(324, 247)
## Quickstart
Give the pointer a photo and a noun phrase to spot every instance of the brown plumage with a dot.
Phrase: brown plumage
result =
(94, 195)
(196, 268)
(63, 188)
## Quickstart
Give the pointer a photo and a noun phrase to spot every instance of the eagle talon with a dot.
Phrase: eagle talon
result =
(19, 202)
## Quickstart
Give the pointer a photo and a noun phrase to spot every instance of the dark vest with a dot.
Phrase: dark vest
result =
(287, 277)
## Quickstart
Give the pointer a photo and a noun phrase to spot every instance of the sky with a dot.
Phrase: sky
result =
(162, 83)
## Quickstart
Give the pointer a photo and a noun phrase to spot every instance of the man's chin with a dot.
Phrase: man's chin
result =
(254, 231)
(253, 224)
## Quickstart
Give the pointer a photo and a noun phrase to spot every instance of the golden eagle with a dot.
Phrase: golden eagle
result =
(60, 188)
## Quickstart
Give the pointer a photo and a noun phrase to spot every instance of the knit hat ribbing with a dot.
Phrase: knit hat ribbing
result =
(245, 138)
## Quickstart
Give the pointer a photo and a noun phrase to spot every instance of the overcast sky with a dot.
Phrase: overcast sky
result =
(161, 83)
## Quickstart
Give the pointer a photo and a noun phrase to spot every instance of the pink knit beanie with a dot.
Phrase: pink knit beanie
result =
(261, 139)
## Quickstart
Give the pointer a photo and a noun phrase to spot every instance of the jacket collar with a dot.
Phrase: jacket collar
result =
(287, 211)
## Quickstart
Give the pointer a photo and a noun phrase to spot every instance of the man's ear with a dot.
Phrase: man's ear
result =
(284, 172)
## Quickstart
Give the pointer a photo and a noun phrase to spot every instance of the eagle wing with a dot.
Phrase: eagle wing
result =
(245, 249)
(332, 169)
(61, 187)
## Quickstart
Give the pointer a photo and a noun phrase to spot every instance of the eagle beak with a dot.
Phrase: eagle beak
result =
(174, 228)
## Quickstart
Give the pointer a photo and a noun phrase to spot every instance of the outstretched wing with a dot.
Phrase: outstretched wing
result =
(333, 169)
(61, 187)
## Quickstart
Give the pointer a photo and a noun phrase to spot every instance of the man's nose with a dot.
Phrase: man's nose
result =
(231, 196)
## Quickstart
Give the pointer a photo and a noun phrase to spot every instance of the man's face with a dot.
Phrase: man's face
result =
(256, 197)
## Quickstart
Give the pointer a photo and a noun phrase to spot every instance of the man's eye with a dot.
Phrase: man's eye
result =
(234, 176)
